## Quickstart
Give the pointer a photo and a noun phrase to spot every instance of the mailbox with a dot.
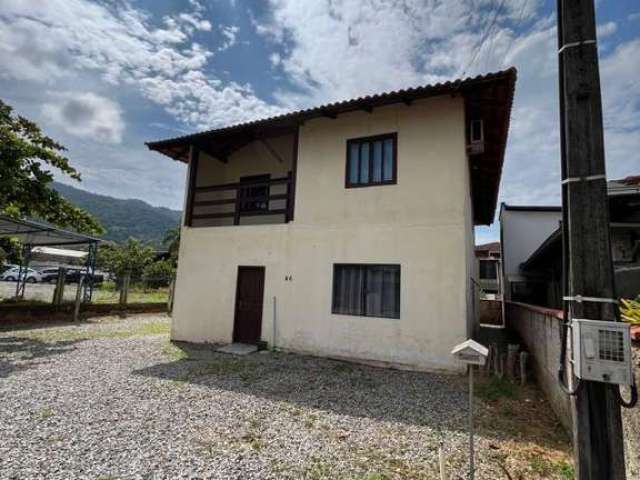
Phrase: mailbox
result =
(471, 352)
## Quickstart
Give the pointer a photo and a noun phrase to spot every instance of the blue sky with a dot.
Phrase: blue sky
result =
(105, 76)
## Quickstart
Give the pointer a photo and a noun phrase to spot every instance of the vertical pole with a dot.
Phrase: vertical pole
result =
(90, 267)
(172, 290)
(76, 310)
(124, 293)
(441, 463)
(275, 319)
(291, 198)
(471, 466)
(194, 155)
(236, 212)
(58, 293)
(597, 427)
(22, 272)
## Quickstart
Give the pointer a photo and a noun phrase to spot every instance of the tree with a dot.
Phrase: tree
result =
(10, 250)
(25, 177)
(131, 256)
(158, 274)
(172, 242)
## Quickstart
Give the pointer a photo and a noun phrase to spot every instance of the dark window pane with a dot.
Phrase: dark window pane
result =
(476, 130)
(488, 269)
(388, 160)
(376, 174)
(374, 291)
(383, 291)
(368, 290)
(364, 163)
(353, 162)
(348, 285)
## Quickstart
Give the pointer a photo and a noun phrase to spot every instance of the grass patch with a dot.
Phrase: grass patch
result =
(174, 352)
(552, 469)
(113, 330)
(494, 388)
(310, 421)
(44, 413)
(317, 469)
(108, 294)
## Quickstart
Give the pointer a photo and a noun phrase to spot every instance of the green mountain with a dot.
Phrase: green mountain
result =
(123, 218)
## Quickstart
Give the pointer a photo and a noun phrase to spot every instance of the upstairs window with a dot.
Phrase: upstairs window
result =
(254, 194)
(372, 161)
(366, 290)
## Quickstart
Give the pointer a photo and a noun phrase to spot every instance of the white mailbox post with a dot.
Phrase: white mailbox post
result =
(471, 353)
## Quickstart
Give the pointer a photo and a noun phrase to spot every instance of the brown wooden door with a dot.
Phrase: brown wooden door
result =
(249, 296)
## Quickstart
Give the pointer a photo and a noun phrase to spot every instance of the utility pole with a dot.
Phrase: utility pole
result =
(597, 427)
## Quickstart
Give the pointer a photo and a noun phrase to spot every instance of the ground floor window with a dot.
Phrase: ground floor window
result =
(488, 269)
(366, 290)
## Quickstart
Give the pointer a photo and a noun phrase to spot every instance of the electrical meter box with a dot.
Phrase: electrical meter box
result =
(602, 351)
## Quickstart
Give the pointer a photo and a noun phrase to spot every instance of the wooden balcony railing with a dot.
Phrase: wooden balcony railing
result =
(250, 199)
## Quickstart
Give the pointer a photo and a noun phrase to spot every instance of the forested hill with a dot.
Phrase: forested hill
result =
(123, 218)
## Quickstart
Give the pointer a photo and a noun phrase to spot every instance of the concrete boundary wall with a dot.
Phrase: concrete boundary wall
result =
(539, 330)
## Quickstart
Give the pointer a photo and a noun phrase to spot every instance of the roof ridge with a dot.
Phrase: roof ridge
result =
(456, 83)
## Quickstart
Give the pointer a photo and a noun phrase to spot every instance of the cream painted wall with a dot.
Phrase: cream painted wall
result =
(423, 223)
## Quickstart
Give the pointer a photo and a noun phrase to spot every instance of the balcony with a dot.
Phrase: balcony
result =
(254, 200)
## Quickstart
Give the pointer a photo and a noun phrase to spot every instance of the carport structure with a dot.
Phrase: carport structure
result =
(34, 234)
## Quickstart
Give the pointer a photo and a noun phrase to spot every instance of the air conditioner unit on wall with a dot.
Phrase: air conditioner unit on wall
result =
(602, 351)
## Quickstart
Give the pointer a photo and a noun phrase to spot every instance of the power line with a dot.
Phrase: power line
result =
(517, 26)
(484, 37)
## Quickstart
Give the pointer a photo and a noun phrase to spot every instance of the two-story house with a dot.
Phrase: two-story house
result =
(344, 230)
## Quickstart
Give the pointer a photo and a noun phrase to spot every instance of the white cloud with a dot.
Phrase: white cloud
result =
(275, 59)
(229, 33)
(336, 50)
(604, 30)
(86, 115)
(44, 41)
(341, 49)
(329, 51)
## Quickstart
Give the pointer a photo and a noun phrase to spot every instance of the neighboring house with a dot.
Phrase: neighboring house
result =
(344, 230)
(488, 258)
(522, 231)
(539, 270)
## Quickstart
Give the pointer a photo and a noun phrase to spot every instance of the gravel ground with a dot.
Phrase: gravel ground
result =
(631, 424)
(115, 400)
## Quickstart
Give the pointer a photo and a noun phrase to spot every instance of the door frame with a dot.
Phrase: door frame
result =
(261, 268)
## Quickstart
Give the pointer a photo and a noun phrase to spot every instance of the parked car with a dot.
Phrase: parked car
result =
(13, 275)
(73, 275)
(49, 275)
(7, 266)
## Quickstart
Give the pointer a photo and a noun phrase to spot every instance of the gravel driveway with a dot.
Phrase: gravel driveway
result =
(114, 399)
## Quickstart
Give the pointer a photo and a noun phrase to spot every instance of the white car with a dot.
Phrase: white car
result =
(13, 274)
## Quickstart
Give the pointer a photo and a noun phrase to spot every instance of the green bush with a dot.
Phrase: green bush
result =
(158, 274)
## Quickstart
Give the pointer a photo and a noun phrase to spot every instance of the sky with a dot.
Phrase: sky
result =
(103, 77)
